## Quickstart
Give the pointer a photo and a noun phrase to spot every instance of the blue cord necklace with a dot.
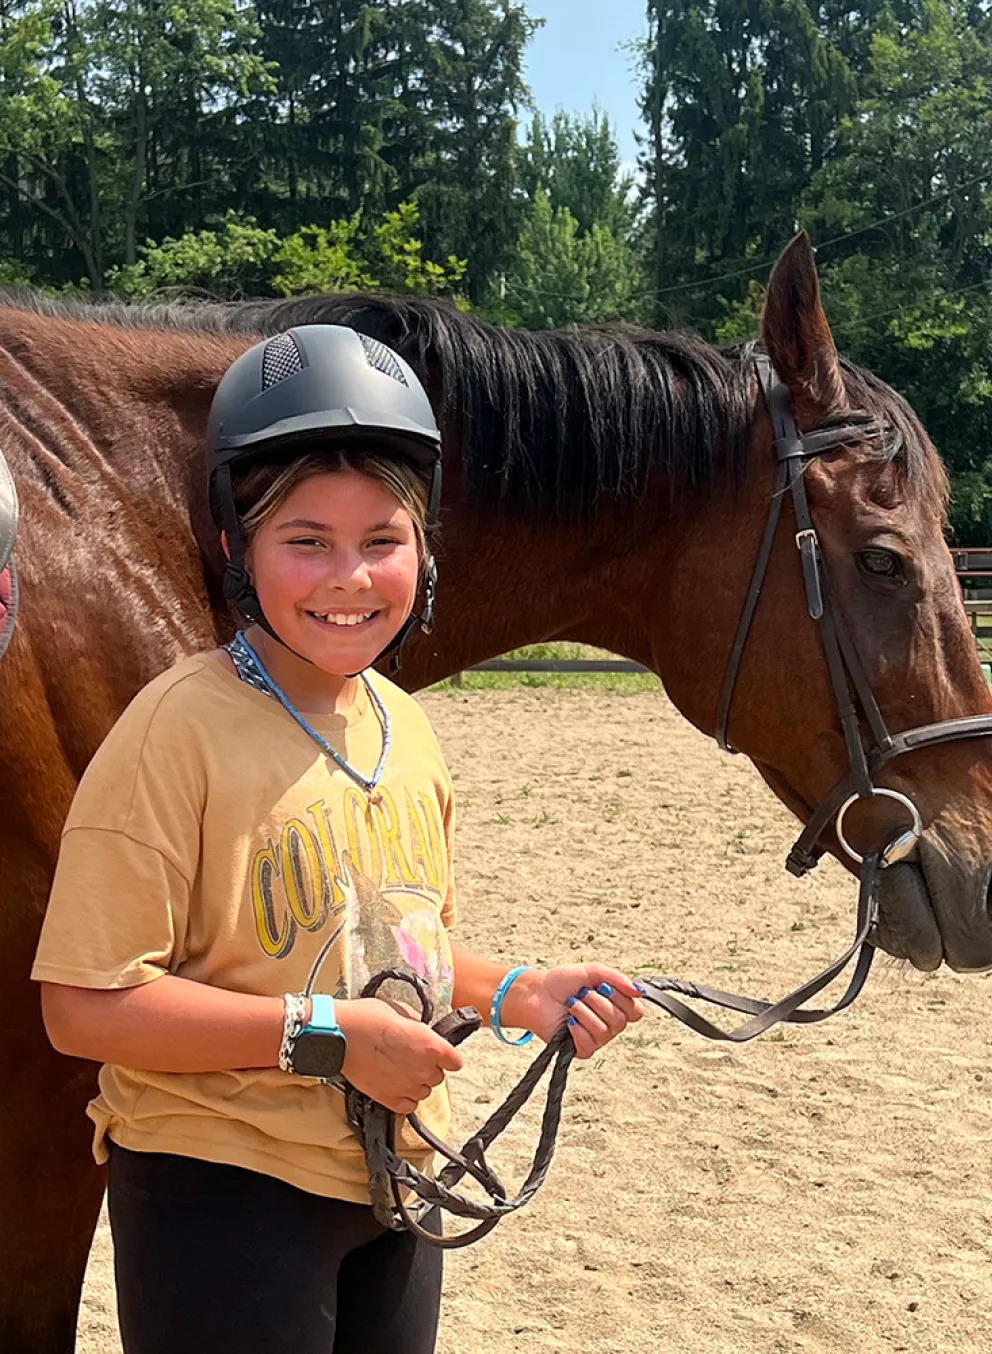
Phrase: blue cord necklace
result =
(251, 669)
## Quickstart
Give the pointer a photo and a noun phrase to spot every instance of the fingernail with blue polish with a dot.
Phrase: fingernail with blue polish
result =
(572, 1020)
(605, 990)
(571, 1001)
(640, 988)
(583, 992)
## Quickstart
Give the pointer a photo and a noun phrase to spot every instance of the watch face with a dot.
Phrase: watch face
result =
(318, 1055)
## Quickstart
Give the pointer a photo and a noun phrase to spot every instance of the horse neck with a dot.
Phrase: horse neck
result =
(122, 401)
(507, 581)
(103, 428)
(105, 414)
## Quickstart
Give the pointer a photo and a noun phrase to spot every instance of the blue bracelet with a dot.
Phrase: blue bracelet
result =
(496, 1007)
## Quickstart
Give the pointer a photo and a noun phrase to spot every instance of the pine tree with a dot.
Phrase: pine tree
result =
(575, 261)
(473, 90)
(741, 101)
(575, 161)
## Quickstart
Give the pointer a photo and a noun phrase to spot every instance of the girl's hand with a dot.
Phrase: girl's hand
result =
(596, 1002)
(392, 1056)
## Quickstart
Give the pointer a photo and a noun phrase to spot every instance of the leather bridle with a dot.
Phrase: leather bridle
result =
(852, 689)
(855, 703)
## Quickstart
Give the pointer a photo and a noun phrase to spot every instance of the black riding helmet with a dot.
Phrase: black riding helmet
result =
(318, 383)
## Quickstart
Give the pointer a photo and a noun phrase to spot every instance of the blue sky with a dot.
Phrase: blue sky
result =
(575, 60)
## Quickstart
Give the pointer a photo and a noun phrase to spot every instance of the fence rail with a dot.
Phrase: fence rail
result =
(976, 563)
(558, 665)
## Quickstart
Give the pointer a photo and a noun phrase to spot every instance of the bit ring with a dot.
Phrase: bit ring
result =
(901, 845)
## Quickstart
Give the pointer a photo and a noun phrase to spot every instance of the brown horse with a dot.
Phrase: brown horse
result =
(608, 486)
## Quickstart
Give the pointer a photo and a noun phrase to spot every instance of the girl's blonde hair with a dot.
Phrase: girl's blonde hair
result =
(260, 491)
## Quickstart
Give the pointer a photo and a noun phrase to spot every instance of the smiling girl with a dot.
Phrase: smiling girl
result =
(268, 826)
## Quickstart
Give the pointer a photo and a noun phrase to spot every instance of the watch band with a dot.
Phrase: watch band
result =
(323, 1019)
(296, 1054)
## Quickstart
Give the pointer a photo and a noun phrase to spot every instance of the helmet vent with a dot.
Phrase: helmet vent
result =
(382, 359)
(281, 358)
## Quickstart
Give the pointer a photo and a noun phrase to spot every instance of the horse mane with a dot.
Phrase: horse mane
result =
(549, 422)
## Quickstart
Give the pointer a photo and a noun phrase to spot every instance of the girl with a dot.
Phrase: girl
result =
(267, 827)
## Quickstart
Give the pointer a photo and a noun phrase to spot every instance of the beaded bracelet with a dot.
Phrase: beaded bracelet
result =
(496, 1007)
(295, 1008)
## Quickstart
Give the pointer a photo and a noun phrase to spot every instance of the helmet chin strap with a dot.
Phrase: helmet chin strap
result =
(236, 584)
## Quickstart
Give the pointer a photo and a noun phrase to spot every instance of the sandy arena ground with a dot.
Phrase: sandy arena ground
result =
(824, 1190)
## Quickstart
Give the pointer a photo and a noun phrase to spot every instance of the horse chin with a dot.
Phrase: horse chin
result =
(907, 926)
(934, 909)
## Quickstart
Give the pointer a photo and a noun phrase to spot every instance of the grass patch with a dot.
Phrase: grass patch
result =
(619, 683)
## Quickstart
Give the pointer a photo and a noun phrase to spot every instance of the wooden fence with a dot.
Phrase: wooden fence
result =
(975, 563)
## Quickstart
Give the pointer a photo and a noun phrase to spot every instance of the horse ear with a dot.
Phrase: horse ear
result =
(797, 337)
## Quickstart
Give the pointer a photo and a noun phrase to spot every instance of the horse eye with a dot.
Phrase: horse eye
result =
(881, 564)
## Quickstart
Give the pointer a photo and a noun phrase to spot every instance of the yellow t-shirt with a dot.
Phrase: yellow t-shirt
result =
(210, 837)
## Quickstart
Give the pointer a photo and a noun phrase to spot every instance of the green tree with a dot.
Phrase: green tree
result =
(165, 75)
(575, 161)
(123, 120)
(50, 139)
(907, 196)
(576, 258)
(741, 102)
(562, 275)
(332, 64)
(473, 52)
(94, 97)
(240, 258)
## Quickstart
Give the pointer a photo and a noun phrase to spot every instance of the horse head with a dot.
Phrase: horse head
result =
(877, 504)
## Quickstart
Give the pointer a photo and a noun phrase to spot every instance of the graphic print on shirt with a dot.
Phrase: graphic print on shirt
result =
(371, 905)
(376, 933)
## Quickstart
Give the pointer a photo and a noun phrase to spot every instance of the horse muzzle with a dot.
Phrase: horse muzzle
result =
(934, 907)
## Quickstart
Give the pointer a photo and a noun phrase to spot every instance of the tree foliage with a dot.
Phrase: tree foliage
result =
(564, 275)
(880, 148)
(910, 297)
(275, 147)
(576, 259)
(741, 101)
(240, 258)
(128, 120)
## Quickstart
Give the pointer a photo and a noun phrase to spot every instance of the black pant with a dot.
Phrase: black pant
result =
(213, 1258)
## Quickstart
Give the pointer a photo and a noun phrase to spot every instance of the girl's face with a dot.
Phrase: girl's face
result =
(336, 568)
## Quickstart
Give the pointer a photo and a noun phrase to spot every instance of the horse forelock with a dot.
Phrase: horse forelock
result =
(904, 442)
(548, 423)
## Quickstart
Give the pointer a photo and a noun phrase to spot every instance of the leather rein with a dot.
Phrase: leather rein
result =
(390, 1176)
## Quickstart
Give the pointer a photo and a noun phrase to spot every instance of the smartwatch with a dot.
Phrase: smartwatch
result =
(319, 1048)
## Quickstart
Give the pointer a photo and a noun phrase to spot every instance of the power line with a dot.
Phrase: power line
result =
(758, 265)
(913, 305)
